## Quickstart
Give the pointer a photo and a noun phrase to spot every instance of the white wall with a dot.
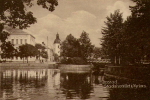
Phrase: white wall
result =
(57, 48)
(25, 38)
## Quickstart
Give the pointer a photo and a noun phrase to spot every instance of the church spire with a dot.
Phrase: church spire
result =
(57, 40)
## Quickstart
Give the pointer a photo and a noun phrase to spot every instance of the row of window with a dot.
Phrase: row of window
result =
(18, 41)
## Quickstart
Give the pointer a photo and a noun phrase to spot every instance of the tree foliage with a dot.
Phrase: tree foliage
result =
(14, 12)
(86, 48)
(70, 47)
(76, 49)
(8, 50)
(27, 50)
(97, 52)
(40, 49)
(112, 33)
(128, 41)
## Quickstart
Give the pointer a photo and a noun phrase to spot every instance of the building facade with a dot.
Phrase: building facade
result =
(19, 37)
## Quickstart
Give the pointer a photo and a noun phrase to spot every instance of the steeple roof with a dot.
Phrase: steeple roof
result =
(57, 40)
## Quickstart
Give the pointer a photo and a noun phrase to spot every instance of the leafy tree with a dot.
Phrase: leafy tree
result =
(27, 50)
(97, 52)
(112, 36)
(44, 54)
(86, 48)
(128, 41)
(3, 34)
(140, 19)
(41, 51)
(8, 50)
(14, 13)
(70, 47)
(136, 37)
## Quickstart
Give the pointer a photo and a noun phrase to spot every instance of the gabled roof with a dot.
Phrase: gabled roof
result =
(15, 31)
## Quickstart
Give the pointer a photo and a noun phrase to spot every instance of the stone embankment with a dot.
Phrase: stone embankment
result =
(74, 68)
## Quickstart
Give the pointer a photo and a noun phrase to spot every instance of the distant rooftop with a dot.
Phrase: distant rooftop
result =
(15, 31)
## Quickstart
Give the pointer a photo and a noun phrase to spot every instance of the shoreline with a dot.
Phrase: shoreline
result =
(70, 68)
(27, 65)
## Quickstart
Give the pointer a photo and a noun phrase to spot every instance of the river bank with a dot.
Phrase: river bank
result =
(70, 68)
(140, 73)
(28, 65)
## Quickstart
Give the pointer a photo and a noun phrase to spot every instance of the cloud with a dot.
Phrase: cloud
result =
(123, 6)
(74, 24)
(74, 17)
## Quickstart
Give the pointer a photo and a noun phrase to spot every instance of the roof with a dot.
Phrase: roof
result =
(57, 40)
(15, 31)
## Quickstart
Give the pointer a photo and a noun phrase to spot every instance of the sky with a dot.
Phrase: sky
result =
(74, 17)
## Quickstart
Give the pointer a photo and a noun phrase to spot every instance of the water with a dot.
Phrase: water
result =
(51, 84)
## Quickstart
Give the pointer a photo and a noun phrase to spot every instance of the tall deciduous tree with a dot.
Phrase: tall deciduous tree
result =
(140, 20)
(8, 50)
(41, 51)
(112, 33)
(86, 48)
(70, 47)
(27, 50)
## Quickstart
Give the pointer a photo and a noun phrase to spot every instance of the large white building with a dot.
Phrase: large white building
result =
(19, 37)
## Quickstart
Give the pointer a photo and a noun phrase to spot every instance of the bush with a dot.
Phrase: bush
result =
(74, 60)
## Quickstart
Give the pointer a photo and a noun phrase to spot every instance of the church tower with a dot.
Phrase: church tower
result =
(57, 45)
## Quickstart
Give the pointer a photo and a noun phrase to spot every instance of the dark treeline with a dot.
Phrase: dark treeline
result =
(76, 51)
(128, 42)
(24, 51)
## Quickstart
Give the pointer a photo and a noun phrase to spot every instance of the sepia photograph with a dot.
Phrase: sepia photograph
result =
(74, 49)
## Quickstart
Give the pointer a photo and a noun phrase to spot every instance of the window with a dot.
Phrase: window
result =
(20, 41)
(16, 41)
(12, 41)
(25, 41)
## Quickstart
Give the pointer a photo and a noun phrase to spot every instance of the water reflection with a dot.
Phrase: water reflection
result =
(50, 84)
(76, 85)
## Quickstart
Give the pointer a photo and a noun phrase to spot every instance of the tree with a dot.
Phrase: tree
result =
(140, 19)
(86, 48)
(14, 13)
(112, 34)
(97, 52)
(27, 50)
(41, 51)
(70, 47)
(8, 50)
